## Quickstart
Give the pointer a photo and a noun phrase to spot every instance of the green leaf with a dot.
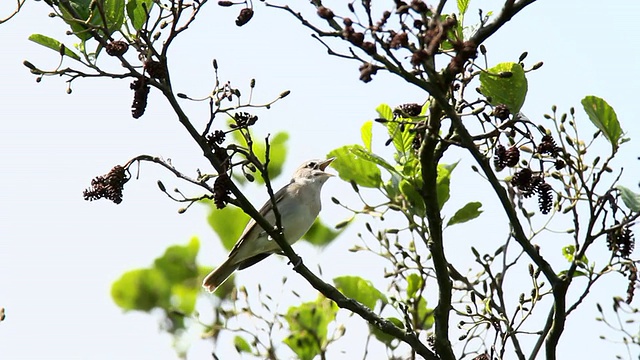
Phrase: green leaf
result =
(277, 153)
(82, 9)
(402, 141)
(320, 234)
(359, 289)
(114, 12)
(468, 212)
(392, 186)
(360, 152)
(408, 190)
(423, 316)
(183, 297)
(383, 337)
(463, 5)
(443, 182)
(353, 167)
(308, 324)
(414, 283)
(630, 199)
(604, 118)
(385, 112)
(576, 273)
(508, 91)
(141, 289)
(228, 223)
(53, 44)
(366, 132)
(88, 14)
(568, 252)
(136, 12)
(412, 171)
(241, 344)
(178, 263)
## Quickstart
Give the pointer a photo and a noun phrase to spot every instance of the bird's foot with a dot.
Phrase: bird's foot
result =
(297, 263)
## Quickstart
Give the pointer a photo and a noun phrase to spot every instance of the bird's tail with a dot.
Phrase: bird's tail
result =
(219, 275)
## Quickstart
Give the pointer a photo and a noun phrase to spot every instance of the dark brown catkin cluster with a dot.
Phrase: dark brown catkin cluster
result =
(108, 186)
(221, 190)
(140, 95)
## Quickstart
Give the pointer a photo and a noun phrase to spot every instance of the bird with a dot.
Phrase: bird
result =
(298, 203)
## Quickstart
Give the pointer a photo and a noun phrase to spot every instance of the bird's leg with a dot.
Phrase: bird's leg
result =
(297, 264)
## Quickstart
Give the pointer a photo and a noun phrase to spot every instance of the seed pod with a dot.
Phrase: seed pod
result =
(537, 65)
(284, 94)
(523, 56)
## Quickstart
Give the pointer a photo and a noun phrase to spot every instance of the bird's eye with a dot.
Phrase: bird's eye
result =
(312, 165)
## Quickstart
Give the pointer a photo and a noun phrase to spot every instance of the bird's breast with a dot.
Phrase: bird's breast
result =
(298, 218)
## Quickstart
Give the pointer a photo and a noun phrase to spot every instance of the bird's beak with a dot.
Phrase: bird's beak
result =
(323, 165)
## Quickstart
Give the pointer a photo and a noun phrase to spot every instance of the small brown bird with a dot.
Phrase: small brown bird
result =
(298, 204)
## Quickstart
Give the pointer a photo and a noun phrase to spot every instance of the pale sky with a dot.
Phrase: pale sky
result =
(60, 254)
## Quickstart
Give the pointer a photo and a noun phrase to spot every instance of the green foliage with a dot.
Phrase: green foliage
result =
(385, 112)
(385, 338)
(371, 157)
(277, 153)
(444, 182)
(53, 44)
(401, 137)
(171, 284)
(241, 344)
(569, 253)
(468, 212)
(178, 263)
(351, 167)
(359, 289)
(366, 132)
(88, 14)
(136, 12)
(413, 196)
(320, 234)
(357, 163)
(308, 325)
(414, 283)
(228, 223)
(81, 7)
(463, 5)
(604, 118)
(508, 90)
(630, 199)
(114, 12)
(141, 289)
(422, 315)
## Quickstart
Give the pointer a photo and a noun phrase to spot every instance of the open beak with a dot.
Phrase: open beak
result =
(323, 165)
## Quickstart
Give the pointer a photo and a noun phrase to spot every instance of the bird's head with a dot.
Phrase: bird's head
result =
(314, 171)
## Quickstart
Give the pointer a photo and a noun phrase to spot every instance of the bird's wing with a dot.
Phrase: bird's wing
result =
(252, 226)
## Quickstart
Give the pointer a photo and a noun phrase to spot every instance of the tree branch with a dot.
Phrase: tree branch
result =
(510, 8)
(429, 166)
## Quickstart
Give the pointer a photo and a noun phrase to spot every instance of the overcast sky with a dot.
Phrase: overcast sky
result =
(60, 254)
